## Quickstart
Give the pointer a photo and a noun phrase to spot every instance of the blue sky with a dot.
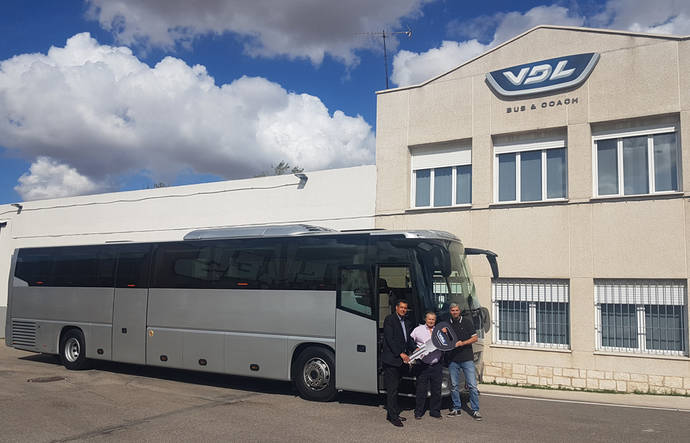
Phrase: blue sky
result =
(99, 96)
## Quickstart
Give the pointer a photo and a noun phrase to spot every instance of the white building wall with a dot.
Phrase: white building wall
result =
(338, 199)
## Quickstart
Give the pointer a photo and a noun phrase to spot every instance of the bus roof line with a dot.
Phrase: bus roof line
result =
(302, 229)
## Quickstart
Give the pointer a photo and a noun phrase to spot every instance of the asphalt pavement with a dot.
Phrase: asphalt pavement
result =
(43, 402)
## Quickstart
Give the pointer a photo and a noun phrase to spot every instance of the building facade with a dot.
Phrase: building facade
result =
(563, 151)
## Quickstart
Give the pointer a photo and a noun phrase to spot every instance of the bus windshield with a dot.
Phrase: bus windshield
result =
(445, 277)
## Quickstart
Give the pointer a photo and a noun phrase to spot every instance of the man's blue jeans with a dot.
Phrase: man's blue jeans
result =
(470, 379)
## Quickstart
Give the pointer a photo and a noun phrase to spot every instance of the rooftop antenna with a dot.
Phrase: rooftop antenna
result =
(384, 35)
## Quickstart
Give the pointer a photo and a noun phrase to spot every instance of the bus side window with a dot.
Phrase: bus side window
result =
(133, 266)
(34, 267)
(354, 290)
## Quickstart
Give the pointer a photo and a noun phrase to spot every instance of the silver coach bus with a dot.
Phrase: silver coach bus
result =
(296, 302)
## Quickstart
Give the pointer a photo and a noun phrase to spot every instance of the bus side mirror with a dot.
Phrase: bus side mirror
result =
(490, 256)
(445, 262)
(481, 319)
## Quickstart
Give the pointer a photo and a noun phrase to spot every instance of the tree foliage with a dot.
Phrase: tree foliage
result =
(281, 168)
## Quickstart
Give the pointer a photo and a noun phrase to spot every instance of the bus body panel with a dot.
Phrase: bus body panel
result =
(99, 342)
(129, 325)
(164, 347)
(68, 304)
(356, 353)
(44, 312)
(257, 355)
(36, 335)
(204, 351)
(232, 330)
(294, 313)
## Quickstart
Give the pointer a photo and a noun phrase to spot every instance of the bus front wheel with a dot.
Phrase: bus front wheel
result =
(314, 374)
(73, 349)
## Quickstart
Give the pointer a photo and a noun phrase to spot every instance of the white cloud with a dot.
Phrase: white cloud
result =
(305, 29)
(49, 179)
(660, 16)
(103, 112)
(413, 68)
(515, 23)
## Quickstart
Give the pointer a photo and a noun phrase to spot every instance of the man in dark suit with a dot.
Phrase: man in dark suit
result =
(396, 344)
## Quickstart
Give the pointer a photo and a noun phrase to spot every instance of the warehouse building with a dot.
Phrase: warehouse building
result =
(561, 150)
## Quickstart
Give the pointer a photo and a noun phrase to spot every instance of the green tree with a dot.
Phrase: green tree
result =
(281, 168)
(157, 185)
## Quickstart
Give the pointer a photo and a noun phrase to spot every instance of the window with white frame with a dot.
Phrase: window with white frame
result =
(530, 171)
(441, 176)
(637, 161)
(531, 313)
(641, 316)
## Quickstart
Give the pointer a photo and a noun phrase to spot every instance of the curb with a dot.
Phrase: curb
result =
(666, 402)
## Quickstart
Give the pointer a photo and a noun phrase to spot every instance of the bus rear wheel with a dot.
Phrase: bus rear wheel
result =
(314, 374)
(73, 349)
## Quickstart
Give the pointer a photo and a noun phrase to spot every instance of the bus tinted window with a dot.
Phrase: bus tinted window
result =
(34, 266)
(132, 266)
(236, 264)
(183, 265)
(84, 266)
(312, 263)
(248, 264)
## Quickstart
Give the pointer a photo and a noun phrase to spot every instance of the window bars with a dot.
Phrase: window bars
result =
(531, 313)
(641, 316)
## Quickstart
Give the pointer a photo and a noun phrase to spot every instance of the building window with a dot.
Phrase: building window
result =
(441, 176)
(637, 162)
(531, 171)
(532, 313)
(642, 316)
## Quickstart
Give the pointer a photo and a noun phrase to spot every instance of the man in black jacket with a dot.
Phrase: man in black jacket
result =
(462, 359)
(396, 344)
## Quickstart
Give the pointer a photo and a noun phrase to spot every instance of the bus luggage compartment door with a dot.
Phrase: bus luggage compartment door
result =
(129, 325)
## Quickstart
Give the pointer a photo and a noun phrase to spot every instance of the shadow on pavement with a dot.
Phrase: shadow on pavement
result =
(257, 385)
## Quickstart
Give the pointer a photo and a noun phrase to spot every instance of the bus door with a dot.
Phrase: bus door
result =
(356, 331)
(395, 283)
(130, 303)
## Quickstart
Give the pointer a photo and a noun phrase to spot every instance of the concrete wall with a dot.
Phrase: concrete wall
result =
(638, 80)
(338, 199)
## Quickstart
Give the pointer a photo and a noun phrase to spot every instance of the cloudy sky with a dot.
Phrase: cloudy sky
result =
(108, 95)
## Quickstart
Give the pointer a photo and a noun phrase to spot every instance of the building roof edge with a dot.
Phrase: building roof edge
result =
(558, 27)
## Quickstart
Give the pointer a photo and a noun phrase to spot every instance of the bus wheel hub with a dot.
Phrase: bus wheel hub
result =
(317, 374)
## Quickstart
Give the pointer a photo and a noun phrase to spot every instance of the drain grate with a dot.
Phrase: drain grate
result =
(45, 379)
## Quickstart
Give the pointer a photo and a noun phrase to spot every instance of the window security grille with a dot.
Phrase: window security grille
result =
(641, 316)
(531, 313)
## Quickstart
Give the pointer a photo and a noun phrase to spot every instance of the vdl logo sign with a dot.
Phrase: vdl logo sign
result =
(543, 76)
(441, 338)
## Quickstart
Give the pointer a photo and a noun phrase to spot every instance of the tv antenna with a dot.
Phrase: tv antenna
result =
(383, 34)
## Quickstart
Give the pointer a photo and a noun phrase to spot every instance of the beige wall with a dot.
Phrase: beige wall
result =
(638, 79)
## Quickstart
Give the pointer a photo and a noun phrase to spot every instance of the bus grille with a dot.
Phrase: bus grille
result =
(23, 333)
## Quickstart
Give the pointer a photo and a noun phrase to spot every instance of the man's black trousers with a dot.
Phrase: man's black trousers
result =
(391, 381)
(428, 379)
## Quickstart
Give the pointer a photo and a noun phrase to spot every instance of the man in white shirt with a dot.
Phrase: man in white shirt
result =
(428, 370)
